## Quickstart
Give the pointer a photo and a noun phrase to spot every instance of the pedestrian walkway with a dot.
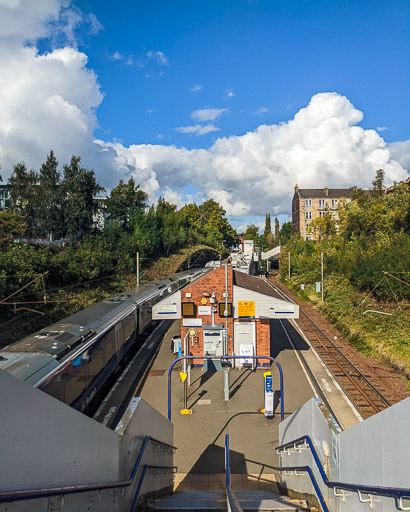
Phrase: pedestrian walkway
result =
(199, 437)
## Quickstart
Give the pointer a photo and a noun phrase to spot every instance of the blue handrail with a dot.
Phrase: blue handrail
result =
(231, 501)
(282, 405)
(389, 492)
(10, 496)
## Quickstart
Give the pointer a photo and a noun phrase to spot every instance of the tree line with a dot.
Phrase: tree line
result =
(54, 205)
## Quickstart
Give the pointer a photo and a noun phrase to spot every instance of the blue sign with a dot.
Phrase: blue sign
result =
(269, 383)
(179, 348)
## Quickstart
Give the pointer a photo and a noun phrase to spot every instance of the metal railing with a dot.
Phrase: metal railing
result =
(21, 495)
(225, 358)
(399, 494)
(232, 503)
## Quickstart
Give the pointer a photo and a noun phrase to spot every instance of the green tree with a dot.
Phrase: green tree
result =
(79, 189)
(12, 225)
(216, 228)
(378, 189)
(23, 188)
(49, 215)
(125, 202)
(252, 233)
(323, 227)
(285, 232)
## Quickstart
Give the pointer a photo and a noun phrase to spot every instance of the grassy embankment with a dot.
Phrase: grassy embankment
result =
(385, 337)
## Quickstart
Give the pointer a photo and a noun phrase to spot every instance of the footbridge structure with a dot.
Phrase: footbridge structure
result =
(55, 458)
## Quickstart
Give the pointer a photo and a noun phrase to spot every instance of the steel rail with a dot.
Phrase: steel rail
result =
(345, 372)
(339, 364)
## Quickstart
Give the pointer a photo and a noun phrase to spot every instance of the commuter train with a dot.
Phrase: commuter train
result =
(71, 359)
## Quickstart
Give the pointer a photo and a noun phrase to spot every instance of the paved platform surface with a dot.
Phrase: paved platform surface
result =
(200, 437)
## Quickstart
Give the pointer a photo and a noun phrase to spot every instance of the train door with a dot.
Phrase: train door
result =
(118, 340)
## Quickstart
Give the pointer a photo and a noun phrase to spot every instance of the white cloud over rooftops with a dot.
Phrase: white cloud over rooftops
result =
(50, 101)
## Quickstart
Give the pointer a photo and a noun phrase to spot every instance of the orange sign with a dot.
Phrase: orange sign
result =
(204, 301)
(246, 308)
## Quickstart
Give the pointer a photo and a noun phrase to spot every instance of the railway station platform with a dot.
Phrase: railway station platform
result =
(200, 436)
(60, 459)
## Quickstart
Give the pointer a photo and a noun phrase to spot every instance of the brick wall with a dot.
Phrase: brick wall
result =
(214, 282)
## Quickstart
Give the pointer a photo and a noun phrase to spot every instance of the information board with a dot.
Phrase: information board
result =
(246, 309)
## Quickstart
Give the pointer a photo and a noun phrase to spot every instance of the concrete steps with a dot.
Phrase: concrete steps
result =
(216, 500)
(216, 482)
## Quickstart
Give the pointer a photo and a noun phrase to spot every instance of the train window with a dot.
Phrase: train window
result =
(108, 342)
(128, 327)
(75, 380)
(96, 360)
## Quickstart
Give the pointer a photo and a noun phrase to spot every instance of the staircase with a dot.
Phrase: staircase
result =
(234, 493)
(216, 500)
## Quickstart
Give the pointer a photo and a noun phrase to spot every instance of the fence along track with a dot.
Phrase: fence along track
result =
(365, 397)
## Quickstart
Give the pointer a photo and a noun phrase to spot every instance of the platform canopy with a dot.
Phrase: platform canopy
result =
(251, 297)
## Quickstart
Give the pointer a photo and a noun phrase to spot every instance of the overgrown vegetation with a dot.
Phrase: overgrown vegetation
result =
(366, 271)
(50, 205)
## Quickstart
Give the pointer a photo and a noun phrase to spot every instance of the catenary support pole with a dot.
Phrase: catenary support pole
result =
(225, 348)
(321, 272)
(289, 266)
(138, 268)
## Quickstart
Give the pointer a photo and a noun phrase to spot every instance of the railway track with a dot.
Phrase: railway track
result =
(366, 398)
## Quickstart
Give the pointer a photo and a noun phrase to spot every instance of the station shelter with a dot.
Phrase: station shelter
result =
(226, 312)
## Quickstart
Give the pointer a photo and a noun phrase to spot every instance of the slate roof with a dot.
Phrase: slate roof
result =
(321, 194)
(255, 284)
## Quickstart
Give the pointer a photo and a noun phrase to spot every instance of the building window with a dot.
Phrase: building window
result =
(334, 203)
(308, 203)
(308, 215)
(321, 203)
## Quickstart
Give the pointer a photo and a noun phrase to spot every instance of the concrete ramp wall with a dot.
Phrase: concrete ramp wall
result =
(374, 452)
(47, 444)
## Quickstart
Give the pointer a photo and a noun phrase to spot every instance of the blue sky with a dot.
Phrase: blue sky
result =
(234, 100)
(272, 55)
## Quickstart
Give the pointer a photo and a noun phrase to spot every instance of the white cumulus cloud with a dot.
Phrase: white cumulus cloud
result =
(256, 172)
(49, 101)
(198, 129)
(207, 114)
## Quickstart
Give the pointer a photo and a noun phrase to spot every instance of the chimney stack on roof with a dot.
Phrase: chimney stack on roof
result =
(326, 190)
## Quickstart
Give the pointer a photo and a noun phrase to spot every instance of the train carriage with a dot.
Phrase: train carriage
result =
(71, 359)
